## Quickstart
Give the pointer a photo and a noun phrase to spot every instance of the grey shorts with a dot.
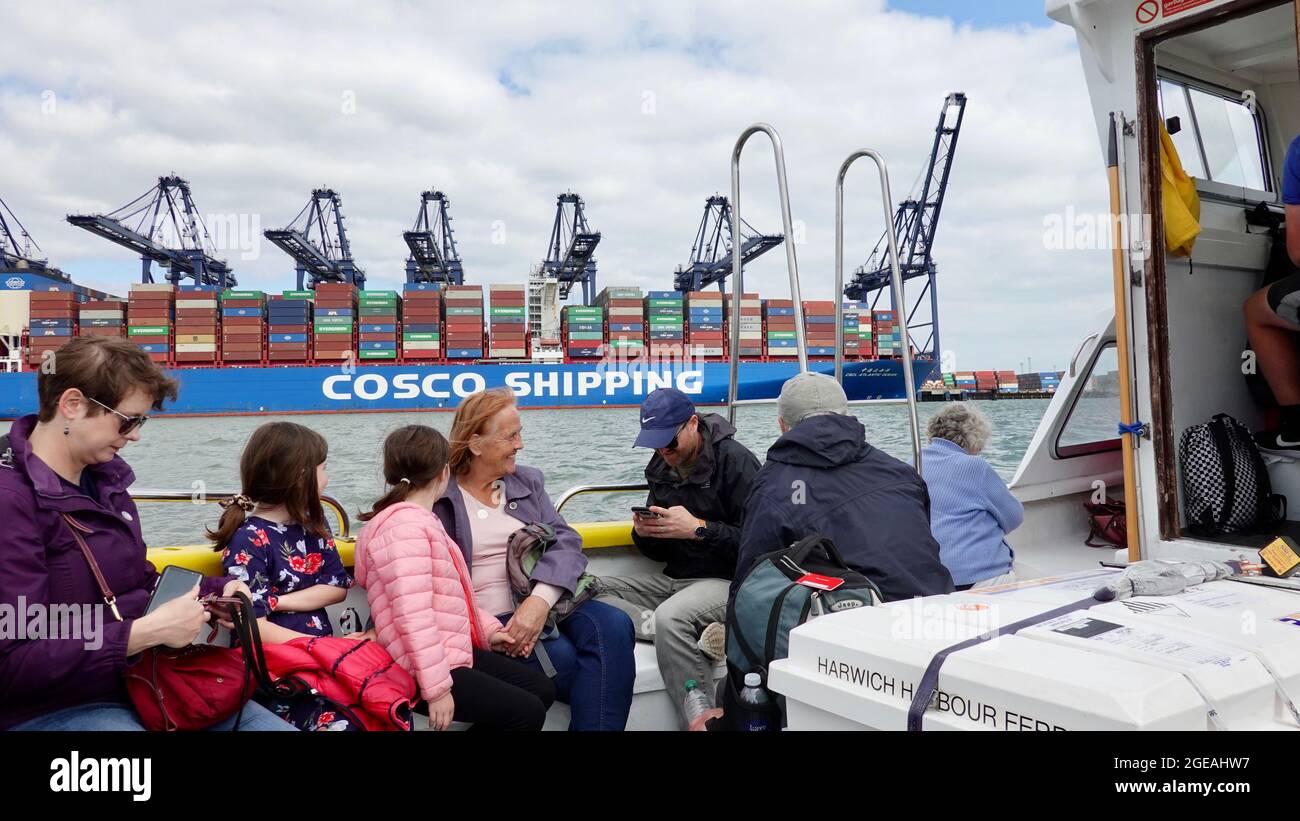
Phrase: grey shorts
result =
(1284, 299)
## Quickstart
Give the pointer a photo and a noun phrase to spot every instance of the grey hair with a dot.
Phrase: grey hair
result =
(963, 424)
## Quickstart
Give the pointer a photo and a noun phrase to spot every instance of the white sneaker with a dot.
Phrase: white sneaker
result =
(713, 641)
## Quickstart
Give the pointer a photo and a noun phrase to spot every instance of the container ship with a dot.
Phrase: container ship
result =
(338, 348)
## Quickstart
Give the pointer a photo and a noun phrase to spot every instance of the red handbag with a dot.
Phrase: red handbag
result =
(1107, 526)
(190, 688)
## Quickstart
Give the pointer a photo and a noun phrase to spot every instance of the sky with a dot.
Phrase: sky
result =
(634, 105)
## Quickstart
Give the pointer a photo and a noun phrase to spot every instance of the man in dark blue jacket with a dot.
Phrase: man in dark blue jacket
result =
(822, 477)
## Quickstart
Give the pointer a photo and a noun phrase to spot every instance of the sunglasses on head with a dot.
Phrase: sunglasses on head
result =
(128, 423)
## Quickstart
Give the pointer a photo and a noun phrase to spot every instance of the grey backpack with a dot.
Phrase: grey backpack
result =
(776, 595)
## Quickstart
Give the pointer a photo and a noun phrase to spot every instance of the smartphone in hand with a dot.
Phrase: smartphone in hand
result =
(172, 584)
(645, 512)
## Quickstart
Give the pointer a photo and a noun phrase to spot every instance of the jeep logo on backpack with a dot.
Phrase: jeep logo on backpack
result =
(846, 604)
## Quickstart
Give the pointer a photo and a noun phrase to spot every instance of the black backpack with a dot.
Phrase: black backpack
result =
(1225, 483)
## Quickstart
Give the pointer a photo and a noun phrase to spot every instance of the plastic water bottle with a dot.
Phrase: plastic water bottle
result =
(756, 704)
(696, 703)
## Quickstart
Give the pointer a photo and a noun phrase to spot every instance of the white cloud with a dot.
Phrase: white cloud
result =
(247, 104)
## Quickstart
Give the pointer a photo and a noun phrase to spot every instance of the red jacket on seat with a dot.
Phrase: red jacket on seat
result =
(358, 675)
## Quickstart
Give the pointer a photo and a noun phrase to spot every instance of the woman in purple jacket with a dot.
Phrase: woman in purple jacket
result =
(63, 669)
(489, 497)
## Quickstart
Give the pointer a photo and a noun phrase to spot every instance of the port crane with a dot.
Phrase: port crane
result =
(711, 253)
(163, 226)
(434, 257)
(914, 227)
(318, 241)
(569, 255)
(18, 251)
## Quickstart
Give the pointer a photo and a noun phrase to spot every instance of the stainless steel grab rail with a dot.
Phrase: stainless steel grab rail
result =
(895, 280)
(581, 490)
(737, 274)
(211, 497)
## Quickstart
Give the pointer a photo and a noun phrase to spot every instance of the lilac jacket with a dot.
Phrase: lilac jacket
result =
(40, 564)
(526, 500)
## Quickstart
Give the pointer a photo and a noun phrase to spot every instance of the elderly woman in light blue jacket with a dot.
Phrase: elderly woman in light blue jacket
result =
(971, 509)
(491, 496)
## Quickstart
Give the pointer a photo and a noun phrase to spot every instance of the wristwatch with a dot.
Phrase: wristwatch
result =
(702, 531)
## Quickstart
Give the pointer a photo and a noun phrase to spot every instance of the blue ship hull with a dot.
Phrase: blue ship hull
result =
(335, 389)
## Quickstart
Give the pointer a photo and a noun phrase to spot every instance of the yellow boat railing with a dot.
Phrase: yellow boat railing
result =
(203, 559)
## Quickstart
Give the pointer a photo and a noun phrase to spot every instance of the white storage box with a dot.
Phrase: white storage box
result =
(1198, 660)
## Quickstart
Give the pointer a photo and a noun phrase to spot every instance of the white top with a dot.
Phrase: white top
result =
(490, 528)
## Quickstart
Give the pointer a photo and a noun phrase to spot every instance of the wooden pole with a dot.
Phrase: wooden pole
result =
(1126, 406)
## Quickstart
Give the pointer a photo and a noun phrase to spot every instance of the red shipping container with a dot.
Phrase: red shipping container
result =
(327, 344)
(287, 329)
(244, 322)
(52, 297)
(196, 357)
(102, 332)
(332, 355)
(421, 354)
(287, 356)
(240, 347)
(241, 356)
(389, 337)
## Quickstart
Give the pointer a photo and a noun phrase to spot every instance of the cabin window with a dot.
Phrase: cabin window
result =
(1091, 425)
(1219, 138)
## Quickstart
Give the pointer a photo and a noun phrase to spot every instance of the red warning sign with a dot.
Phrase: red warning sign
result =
(1173, 7)
(1148, 11)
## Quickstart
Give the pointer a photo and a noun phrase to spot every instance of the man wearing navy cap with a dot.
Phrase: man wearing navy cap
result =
(699, 480)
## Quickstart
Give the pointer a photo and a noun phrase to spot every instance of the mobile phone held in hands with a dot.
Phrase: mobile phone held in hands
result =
(645, 513)
(174, 583)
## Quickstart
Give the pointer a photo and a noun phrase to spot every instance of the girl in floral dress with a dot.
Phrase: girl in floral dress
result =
(273, 537)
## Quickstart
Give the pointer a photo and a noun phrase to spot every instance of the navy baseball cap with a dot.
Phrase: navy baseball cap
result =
(662, 413)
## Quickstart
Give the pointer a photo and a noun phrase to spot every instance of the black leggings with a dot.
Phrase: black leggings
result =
(501, 693)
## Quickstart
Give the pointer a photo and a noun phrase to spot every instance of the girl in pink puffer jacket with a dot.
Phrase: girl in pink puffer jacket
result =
(422, 599)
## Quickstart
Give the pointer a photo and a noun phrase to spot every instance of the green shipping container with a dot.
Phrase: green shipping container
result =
(333, 329)
(148, 330)
(378, 355)
(242, 295)
(345, 321)
(299, 294)
(508, 310)
(626, 343)
(377, 310)
(587, 335)
(464, 311)
(781, 335)
(665, 303)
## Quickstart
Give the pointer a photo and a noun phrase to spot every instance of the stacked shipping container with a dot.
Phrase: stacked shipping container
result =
(751, 325)
(782, 335)
(150, 313)
(334, 322)
(243, 326)
(463, 305)
(101, 317)
(422, 321)
(509, 321)
(887, 334)
(705, 328)
(52, 322)
(625, 315)
(819, 327)
(288, 327)
(379, 313)
(198, 322)
(582, 328)
(664, 316)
